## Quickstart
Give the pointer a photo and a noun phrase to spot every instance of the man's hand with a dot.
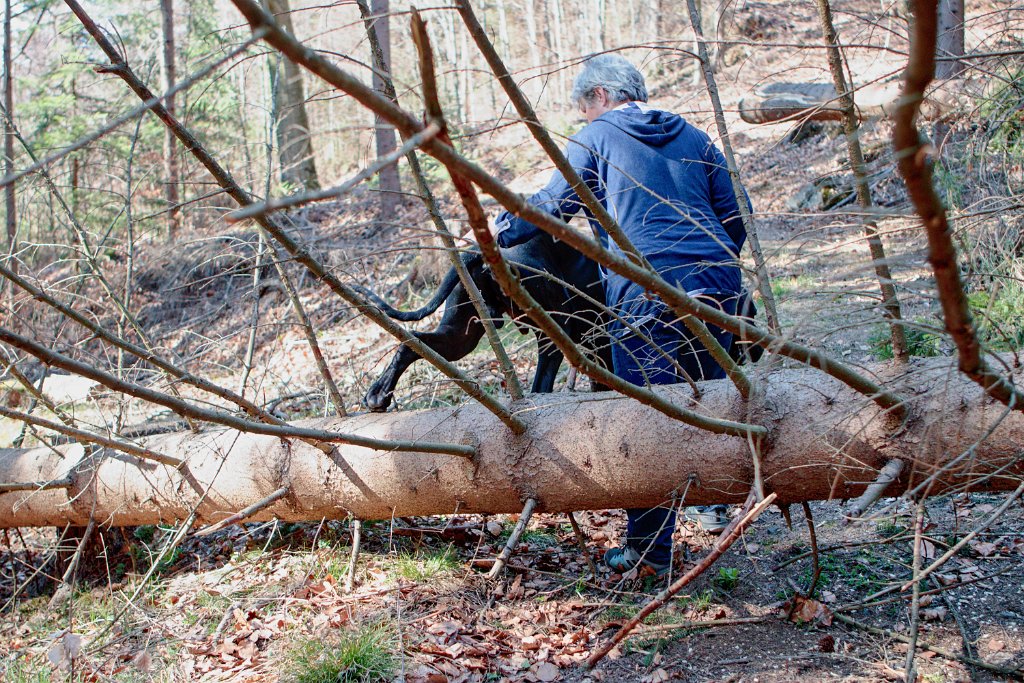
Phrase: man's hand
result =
(470, 237)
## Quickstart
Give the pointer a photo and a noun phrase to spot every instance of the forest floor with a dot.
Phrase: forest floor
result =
(267, 602)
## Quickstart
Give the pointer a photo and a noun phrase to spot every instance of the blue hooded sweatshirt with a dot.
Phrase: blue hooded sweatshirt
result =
(667, 186)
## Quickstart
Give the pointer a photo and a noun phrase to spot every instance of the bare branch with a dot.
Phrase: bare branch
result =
(915, 166)
(673, 296)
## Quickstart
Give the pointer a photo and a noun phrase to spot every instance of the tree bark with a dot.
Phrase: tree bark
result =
(298, 167)
(384, 133)
(950, 39)
(588, 451)
(172, 179)
(10, 204)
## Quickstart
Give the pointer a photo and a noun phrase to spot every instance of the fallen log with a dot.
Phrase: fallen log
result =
(580, 451)
(776, 102)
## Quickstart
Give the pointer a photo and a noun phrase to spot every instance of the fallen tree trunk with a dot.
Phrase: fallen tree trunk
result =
(775, 102)
(581, 451)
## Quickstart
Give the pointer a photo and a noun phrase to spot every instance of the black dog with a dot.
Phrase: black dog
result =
(543, 265)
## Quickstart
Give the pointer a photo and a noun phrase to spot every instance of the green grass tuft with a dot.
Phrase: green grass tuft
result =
(362, 656)
(921, 340)
(427, 565)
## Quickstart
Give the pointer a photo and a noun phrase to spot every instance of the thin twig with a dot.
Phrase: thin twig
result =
(851, 127)
(955, 548)
(728, 537)
(89, 437)
(1012, 673)
(307, 329)
(245, 513)
(915, 167)
(217, 416)
(581, 540)
(300, 199)
(68, 579)
(915, 603)
(8, 487)
(814, 548)
(709, 623)
(357, 539)
(671, 295)
(297, 251)
(513, 539)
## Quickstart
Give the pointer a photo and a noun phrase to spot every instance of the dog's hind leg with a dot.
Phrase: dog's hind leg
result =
(549, 359)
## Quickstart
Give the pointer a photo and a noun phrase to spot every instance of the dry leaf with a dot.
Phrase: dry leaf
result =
(891, 674)
(546, 672)
(142, 661)
(657, 676)
(934, 614)
(804, 611)
(995, 645)
(984, 549)
(516, 589)
(66, 648)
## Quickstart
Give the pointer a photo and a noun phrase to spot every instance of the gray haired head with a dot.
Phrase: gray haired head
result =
(620, 79)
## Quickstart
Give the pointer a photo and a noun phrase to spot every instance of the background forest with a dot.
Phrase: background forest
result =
(125, 256)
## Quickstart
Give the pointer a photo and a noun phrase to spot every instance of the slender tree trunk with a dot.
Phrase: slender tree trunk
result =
(171, 174)
(950, 39)
(886, 285)
(466, 75)
(10, 200)
(530, 13)
(384, 134)
(556, 21)
(506, 44)
(583, 451)
(295, 150)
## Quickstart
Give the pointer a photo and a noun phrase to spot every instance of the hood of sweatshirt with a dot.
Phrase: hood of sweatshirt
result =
(653, 127)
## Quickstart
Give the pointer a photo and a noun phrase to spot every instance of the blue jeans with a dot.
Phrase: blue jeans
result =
(668, 348)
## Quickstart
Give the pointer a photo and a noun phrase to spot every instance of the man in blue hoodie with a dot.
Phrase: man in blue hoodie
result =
(669, 189)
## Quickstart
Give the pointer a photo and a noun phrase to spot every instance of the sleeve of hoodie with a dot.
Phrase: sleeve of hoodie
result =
(557, 198)
(723, 199)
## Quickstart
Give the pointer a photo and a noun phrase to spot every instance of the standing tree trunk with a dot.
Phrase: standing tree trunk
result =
(530, 14)
(851, 126)
(294, 147)
(950, 39)
(390, 181)
(556, 20)
(505, 44)
(171, 179)
(10, 205)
